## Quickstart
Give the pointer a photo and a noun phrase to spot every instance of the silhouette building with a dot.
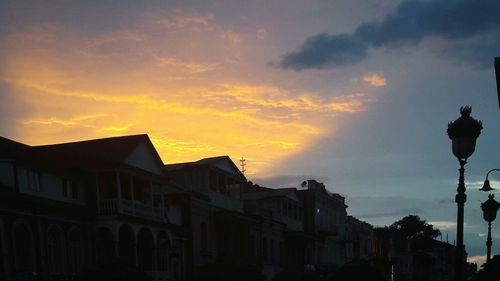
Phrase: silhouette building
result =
(63, 206)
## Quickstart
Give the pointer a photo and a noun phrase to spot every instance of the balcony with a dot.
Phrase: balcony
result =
(110, 207)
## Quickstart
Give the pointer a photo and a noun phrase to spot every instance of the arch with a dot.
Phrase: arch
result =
(126, 244)
(75, 250)
(24, 256)
(104, 245)
(55, 250)
(163, 246)
(145, 247)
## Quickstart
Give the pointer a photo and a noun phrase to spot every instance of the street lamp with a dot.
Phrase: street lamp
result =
(486, 185)
(463, 133)
(490, 209)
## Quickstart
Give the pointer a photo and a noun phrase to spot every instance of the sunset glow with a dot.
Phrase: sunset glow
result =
(138, 80)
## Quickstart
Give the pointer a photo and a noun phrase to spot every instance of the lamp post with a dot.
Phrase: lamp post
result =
(463, 133)
(490, 209)
(486, 185)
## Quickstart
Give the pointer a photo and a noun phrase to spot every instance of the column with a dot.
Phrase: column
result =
(163, 217)
(132, 196)
(98, 198)
(151, 198)
(155, 262)
(5, 252)
(118, 193)
(136, 260)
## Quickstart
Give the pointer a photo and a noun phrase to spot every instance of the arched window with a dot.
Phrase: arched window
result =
(75, 251)
(163, 251)
(126, 241)
(55, 250)
(23, 248)
(104, 245)
(145, 247)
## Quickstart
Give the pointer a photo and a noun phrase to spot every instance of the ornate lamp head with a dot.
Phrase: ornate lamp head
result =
(463, 133)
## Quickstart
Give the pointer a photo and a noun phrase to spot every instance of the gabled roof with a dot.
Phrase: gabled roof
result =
(210, 161)
(97, 153)
(204, 161)
(13, 150)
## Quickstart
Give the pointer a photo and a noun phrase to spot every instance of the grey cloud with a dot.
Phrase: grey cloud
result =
(323, 50)
(411, 22)
(396, 213)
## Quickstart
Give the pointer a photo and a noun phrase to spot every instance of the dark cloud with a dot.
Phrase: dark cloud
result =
(411, 22)
(396, 213)
(323, 50)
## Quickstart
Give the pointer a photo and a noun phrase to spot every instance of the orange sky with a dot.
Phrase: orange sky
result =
(182, 78)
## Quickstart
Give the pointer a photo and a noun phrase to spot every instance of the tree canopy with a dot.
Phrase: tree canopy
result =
(417, 231)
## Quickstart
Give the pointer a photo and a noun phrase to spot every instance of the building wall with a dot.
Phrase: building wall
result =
(39, 183)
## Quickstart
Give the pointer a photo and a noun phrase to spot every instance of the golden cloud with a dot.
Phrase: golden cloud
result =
(374, 79)
(191, 104)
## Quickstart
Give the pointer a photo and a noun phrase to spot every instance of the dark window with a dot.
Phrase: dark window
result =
(34, 179)
(213, 180)
(74, 190)
(23, 255)
(65, 188)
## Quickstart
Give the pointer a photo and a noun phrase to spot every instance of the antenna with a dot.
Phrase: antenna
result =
(243, 164)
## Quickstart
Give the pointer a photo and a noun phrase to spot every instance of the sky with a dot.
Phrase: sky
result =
(356, 94)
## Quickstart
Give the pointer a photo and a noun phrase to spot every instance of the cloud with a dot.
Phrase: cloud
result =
(231, 36)
(477, 259)
(410, 23)
(444, 224)
(261, 33)
(395, 213)
(181, 20)
(323, 50)
(374, 80)
(190, 67)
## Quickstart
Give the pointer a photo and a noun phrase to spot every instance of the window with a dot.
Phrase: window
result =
(65, 188)
(34, 180)
(55, 251)
(70, 189)
(23, 248)
(74, 190)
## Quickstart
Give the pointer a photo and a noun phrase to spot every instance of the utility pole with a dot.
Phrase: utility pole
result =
(243, 164)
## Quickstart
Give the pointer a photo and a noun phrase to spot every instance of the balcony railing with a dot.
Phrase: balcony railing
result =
(110, 207)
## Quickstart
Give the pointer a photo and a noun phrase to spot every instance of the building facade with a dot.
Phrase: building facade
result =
(71, 204)
(63, 206)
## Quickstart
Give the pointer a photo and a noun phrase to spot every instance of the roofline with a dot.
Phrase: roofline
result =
(92, 140)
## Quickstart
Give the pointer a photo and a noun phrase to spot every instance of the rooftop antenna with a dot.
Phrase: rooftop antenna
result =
(243, 164)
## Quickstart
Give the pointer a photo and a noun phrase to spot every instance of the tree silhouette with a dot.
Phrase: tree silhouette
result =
(418, 232)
